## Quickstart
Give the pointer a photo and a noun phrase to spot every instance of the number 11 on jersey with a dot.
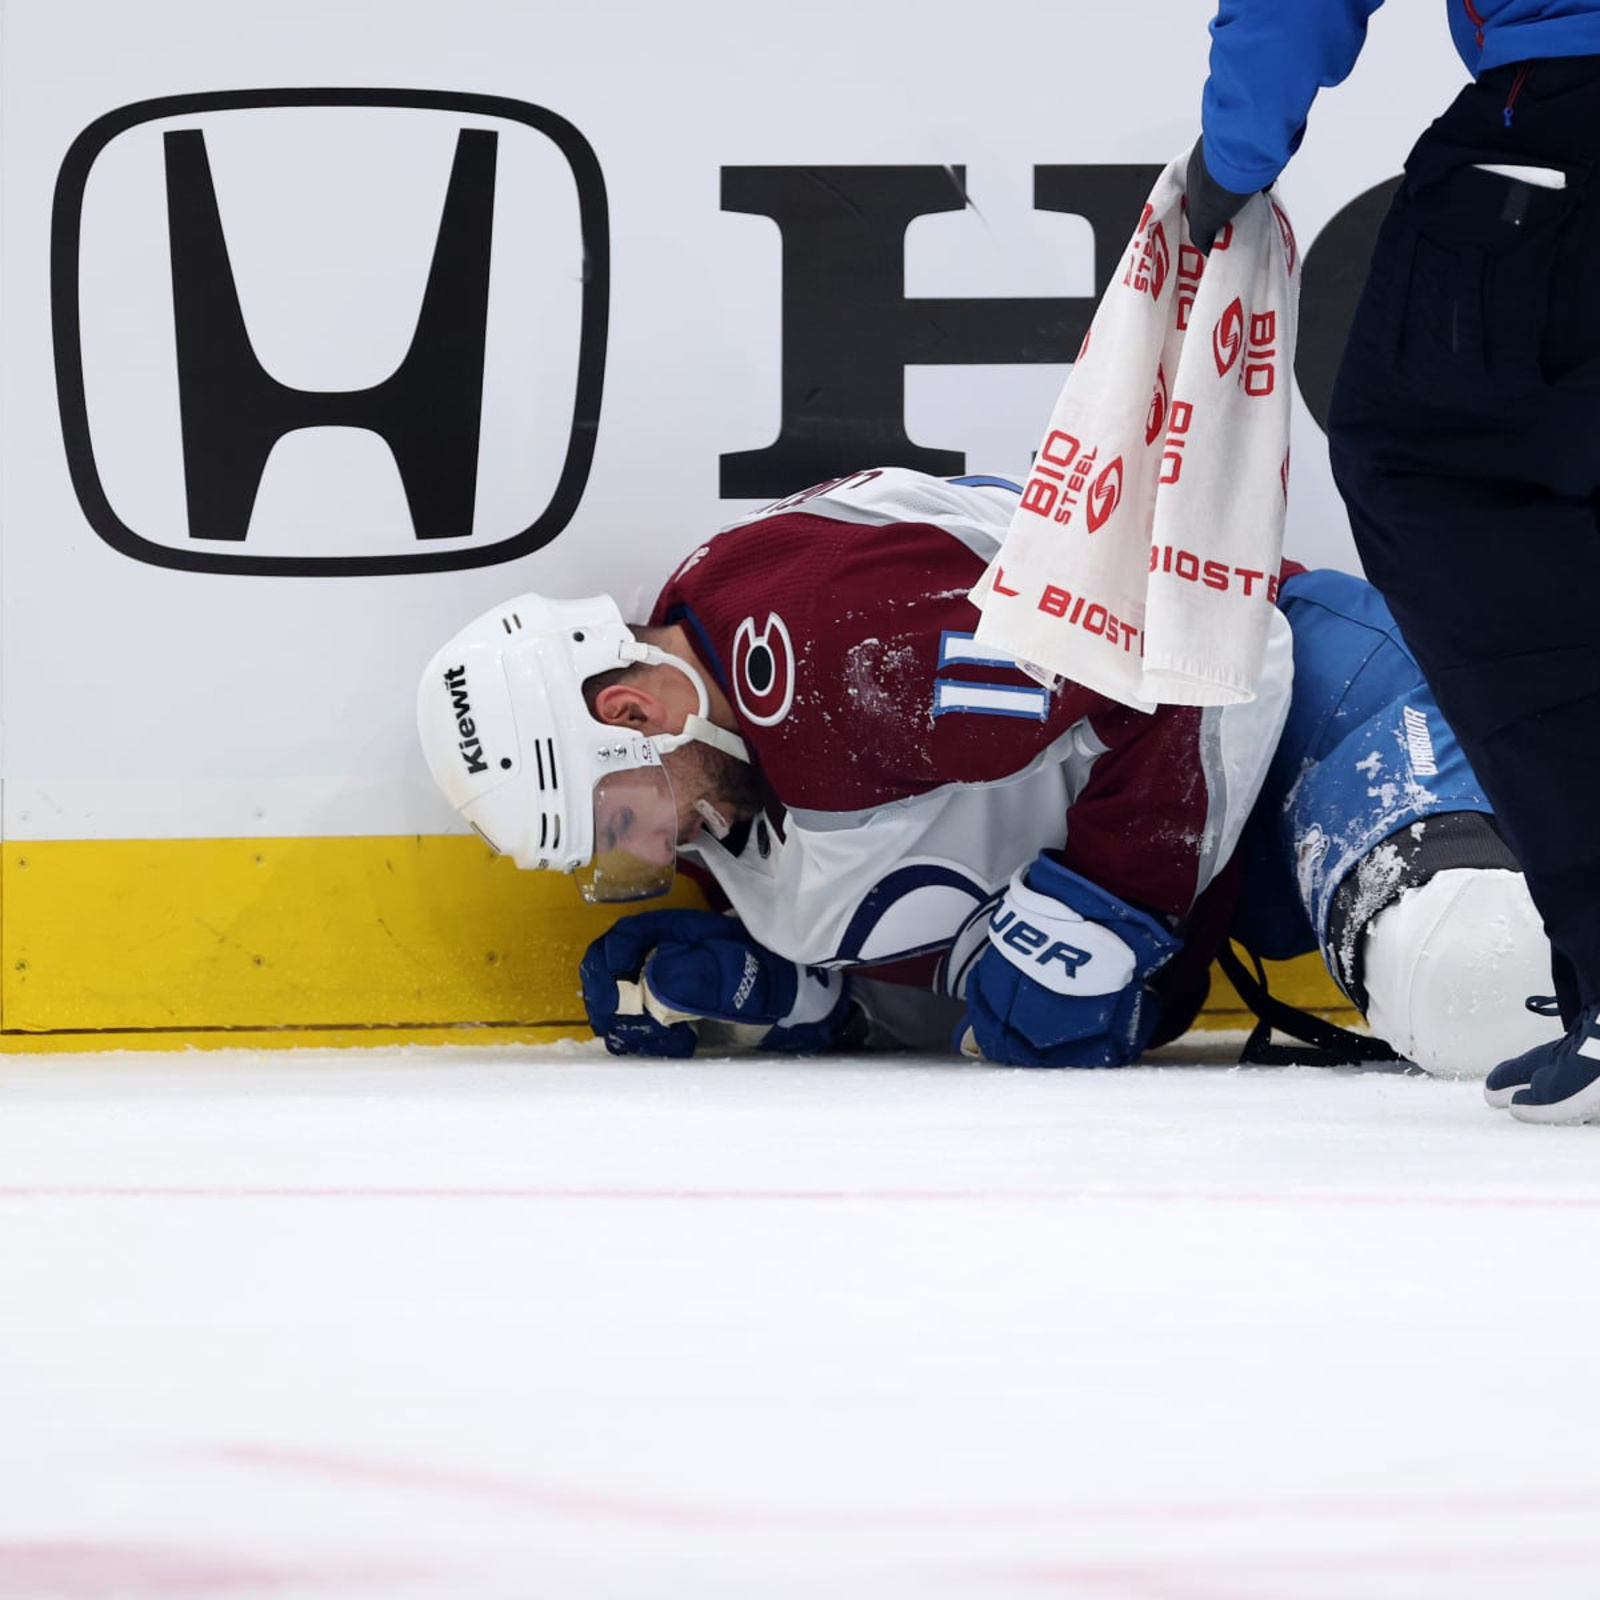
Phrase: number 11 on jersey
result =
(1022, 699)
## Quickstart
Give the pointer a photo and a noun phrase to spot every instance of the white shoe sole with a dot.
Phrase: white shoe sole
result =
(1584, 1106)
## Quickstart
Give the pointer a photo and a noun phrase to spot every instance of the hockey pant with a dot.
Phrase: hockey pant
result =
(1373, 842)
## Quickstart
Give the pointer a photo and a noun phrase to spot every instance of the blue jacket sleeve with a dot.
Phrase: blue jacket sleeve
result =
(1268, 60)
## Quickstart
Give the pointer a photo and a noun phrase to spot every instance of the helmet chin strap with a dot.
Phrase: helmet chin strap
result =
(698, 724)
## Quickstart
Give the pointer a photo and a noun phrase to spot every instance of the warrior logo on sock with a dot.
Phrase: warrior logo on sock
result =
(763, 670)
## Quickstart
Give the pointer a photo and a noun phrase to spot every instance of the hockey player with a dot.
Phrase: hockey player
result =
(919, 841)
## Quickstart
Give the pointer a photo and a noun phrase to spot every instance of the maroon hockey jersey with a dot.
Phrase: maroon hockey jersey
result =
(913, 772)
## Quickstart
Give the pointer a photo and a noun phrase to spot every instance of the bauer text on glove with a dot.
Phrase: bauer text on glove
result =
(1062, 983)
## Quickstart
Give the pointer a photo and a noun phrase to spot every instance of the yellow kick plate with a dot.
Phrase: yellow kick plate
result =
(164, 943)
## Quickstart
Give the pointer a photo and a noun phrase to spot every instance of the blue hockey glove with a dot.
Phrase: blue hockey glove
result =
(666, 983)
(1062, 983)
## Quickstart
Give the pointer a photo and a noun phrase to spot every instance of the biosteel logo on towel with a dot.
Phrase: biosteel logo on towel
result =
(1105, 495)
(1151, 258)
(1062, 471)
(1227, 337)
(1156, 419)
(1191, 267)
(1259, 375)
(1291, 250)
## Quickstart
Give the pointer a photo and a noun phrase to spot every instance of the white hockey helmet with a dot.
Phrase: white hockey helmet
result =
(509, 739)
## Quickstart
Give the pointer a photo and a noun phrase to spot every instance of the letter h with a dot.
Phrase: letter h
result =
(850, 330)
(428, 410)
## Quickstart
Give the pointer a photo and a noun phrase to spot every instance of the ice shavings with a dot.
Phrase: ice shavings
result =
(1398, 797)
(881, 677)
(1378, 877)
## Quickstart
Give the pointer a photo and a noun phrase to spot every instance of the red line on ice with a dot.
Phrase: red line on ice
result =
(860, 1519)
(1225, 1578)
(88, 1569)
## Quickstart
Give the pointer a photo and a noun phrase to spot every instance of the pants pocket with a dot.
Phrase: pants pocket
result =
(1478, 295)
(1441, 332)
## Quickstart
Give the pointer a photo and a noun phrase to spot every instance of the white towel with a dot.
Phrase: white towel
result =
(1143, 560)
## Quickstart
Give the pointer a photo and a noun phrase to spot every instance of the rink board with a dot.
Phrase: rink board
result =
(353, 941)
(593, 282)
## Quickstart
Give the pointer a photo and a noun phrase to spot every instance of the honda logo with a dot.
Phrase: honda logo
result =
(329, 331)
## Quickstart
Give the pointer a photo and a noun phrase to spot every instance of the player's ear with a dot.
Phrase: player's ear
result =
(627, 705)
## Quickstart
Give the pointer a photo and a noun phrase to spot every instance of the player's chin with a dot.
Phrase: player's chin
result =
(693, 827)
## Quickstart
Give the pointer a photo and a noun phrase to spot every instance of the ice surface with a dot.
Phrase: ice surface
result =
(534, 1323)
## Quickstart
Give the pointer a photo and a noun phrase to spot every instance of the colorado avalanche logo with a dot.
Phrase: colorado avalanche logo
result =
(1105, 496)
(1227, 338)
(763, 670)
(1156, 420)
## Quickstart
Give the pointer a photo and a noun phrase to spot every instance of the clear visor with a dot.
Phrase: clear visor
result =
(635, 837)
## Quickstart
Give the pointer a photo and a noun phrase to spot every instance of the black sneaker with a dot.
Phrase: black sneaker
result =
(1517, 1073)
(1514, 1075)
(1560, 1082)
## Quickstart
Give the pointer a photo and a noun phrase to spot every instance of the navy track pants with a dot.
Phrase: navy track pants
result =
(1465, 439)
